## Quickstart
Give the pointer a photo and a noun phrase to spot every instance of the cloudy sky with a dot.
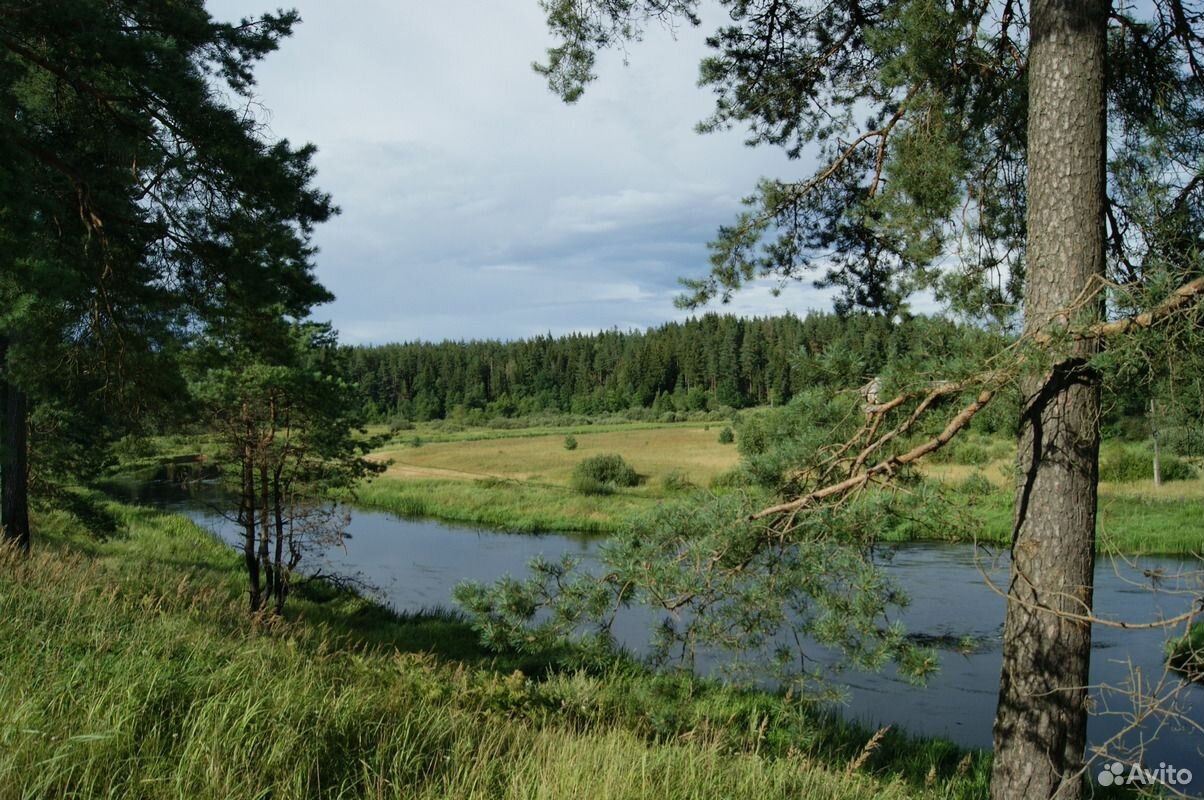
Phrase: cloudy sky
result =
(475, 203)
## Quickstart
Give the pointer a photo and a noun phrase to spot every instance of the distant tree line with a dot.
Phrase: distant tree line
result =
(702, 364)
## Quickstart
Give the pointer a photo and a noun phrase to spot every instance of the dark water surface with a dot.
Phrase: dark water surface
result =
(416, 563)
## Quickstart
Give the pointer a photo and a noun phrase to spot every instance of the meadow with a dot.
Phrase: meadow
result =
(131, 670)
(520, 480)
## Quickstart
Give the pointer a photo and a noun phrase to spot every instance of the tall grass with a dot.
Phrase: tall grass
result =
(128, 669)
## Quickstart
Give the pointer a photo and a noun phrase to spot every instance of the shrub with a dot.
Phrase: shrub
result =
(976, 485)
(726, 436)
(570, 443)
(732, 479)
(973, 450)
(1136, 463)
(400, 423)
(1186, 653)
(972, 454)
(587, 485)
(608, 469)
(676, 481)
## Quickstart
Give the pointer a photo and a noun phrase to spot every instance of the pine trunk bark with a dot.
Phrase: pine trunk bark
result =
(14, 458)
(1041, 722)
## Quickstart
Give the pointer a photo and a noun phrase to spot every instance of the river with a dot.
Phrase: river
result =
(416, 563)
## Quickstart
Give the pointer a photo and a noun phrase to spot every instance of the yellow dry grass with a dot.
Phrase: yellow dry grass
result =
(1170, 491)
(1000, 473)
(653, 452)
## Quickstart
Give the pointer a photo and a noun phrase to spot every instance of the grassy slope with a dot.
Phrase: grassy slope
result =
(129, 669)
(518, 480)
(541, 457)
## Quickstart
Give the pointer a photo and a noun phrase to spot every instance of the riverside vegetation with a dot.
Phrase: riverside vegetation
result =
(160, 259)
(131, 669)
(522, 479)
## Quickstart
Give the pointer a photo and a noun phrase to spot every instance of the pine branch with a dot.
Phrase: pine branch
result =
(860, 476)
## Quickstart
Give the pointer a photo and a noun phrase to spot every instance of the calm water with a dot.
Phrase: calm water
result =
(416, 563)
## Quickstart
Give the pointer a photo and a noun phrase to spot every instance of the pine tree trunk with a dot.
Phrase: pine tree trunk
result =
(1041, 722)
(14, 458)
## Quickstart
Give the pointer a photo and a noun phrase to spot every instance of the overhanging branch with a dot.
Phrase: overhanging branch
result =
(860, 476)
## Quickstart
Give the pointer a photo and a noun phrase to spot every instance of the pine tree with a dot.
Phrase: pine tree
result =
(973, 131)
(138, 202)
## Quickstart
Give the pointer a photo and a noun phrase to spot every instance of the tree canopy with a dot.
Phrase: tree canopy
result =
(915, 117)
(142, 201)
(1037, 159)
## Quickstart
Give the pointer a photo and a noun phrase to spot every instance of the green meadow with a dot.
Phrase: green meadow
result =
(520, 480)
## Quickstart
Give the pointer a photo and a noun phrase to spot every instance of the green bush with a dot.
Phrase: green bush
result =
(591, 486)
(676, 481)
(732, 479)
(398, 423)
(971, 454)
(726, 436)
(976, 485)
(1186, 440)
(608, 469)
(1123, 463)
(570, 443)
(973, 450)
(1186, 653)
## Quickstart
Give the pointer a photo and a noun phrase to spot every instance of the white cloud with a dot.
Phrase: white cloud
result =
(476, 204)
(507, 268)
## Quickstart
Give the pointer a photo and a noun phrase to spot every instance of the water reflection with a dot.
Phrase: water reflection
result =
(416, 563)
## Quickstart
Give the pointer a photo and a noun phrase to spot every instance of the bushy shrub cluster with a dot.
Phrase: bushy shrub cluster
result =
(603, 474)
(1136, 463)
(976, 485)
(676, 481)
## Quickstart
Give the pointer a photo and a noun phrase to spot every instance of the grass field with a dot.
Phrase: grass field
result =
(540, 457)
(129, 669)
(519, 480)
(1135, 517)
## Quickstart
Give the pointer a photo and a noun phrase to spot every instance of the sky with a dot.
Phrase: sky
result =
(475, 203)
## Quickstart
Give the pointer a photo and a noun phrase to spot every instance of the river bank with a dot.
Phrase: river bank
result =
(520, 481)
(131, 669)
